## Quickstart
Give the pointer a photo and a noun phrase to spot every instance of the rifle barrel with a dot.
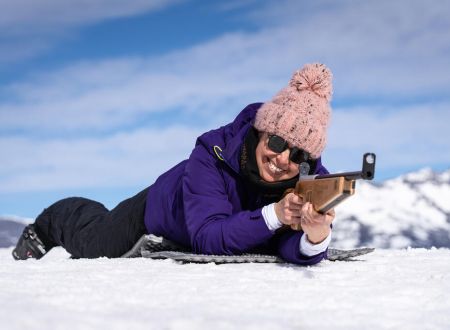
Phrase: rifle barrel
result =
(367, 172)
(348, 175)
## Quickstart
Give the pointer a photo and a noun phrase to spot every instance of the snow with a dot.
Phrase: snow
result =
(387, 289)
(411, 210)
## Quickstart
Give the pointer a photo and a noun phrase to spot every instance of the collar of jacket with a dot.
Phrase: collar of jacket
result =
(232, 151)
(229, 138)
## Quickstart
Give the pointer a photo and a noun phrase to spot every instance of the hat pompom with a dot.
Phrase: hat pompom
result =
(315, 77)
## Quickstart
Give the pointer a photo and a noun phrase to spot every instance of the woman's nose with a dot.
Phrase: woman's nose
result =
(283, 158)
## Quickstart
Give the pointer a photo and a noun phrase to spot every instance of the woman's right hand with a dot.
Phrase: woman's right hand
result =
(289, 209)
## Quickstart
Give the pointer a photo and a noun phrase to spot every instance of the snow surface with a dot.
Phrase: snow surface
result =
(388, 289)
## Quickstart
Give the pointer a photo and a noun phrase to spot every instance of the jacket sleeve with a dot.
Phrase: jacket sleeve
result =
(214, 227)
(288, 248)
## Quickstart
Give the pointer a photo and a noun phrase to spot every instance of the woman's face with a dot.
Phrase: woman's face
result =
(271, 165)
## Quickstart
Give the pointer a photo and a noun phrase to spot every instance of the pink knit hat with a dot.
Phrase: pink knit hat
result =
(300, 112)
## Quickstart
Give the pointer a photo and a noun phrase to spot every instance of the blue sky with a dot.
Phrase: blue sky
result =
(99, 97)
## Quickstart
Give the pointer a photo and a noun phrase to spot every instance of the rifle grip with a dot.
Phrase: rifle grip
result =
(296, 227)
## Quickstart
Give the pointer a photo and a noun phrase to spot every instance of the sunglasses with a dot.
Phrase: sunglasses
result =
(278, 144)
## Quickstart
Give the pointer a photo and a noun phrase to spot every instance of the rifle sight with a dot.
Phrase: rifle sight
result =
(367, 172)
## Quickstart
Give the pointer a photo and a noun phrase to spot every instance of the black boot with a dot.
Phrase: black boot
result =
(29, 245)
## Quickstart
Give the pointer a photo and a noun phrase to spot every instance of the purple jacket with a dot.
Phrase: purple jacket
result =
(202, 202)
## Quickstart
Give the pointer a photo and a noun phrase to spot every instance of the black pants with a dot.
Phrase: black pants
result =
(86, 229)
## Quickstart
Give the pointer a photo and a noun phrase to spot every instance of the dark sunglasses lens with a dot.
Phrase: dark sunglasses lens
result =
(277, 144)
(298, 155)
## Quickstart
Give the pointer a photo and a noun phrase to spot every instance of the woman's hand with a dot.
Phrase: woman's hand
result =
(289, 209)
(315, 225)
(292, 210)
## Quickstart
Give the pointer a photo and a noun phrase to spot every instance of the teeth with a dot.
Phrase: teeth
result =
(274, 168)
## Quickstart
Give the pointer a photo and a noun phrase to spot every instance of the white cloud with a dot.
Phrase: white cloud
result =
(17, 17)
(384, 51)
(30, 28)
(103, 94)
(416, 136)
(124, 159)
(386, 48)
(407, 136)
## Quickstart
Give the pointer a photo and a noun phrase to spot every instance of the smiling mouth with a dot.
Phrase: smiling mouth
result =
(275, 169)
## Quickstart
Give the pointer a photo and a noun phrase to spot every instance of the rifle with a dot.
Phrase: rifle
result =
(328, 190)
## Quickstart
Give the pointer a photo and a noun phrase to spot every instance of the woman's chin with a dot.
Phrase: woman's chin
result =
(271, 177)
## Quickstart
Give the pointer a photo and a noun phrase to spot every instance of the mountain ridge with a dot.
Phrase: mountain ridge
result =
(412, 210)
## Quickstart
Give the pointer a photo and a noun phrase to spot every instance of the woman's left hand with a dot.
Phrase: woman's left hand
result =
(315, 225)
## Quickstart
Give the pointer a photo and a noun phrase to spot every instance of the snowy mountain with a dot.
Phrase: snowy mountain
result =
(411, 210)
(10, 229)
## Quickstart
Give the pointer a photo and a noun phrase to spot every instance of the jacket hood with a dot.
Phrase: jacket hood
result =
(227, 140)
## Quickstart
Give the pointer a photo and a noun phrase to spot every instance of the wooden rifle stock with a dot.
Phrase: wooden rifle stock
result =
(326, 191)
